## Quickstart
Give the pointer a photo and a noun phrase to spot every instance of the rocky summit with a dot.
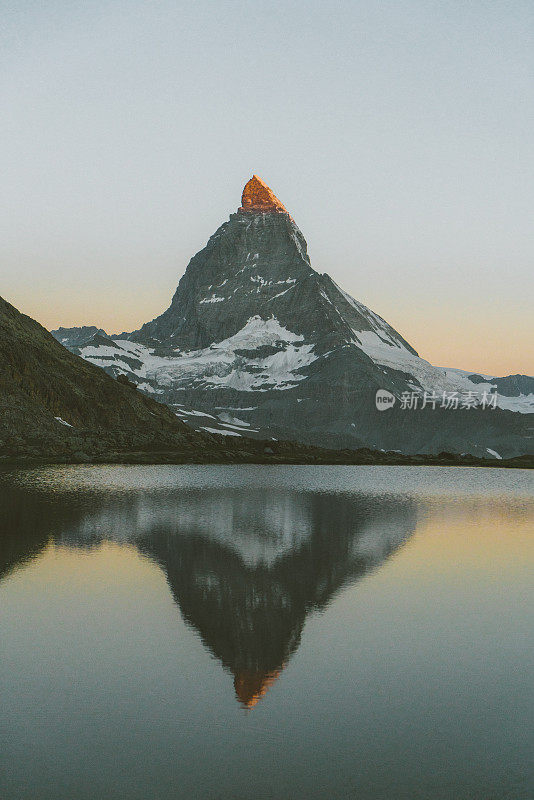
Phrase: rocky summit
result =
(256, 342)
(259, 199)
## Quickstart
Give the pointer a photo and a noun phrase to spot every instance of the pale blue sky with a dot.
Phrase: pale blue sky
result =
(399, 135)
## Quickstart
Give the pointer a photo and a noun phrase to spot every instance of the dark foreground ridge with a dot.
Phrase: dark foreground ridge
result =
(57, 407)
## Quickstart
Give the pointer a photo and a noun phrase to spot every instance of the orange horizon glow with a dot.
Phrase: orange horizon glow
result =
(445, 337)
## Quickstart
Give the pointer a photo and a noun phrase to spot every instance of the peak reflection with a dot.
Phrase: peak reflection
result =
(245, 567)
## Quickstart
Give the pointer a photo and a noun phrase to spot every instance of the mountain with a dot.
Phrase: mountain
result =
(256, 341)
(78, 336)
(56, 406)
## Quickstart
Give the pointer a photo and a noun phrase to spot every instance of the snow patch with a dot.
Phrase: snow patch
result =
(493, 453)
(146, 387)
(221, 431)
(235, 408)
(197, 414)
(219, 364)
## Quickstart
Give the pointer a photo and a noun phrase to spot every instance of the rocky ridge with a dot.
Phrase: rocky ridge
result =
(56, 406)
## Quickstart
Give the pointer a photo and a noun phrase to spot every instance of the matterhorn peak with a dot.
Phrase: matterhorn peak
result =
(257, 343)
(259, 199)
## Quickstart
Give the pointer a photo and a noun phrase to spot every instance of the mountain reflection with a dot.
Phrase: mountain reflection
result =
(244, 567)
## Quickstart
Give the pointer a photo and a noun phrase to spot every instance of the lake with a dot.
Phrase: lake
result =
(277, 632)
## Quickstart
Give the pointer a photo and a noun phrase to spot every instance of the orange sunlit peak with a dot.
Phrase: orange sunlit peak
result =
(258, 198)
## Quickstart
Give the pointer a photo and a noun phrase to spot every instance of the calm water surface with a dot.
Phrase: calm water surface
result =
(266, 632)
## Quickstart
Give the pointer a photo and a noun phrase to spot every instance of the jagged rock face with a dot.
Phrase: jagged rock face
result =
(257, 265)
(251, 260)
(256, 341)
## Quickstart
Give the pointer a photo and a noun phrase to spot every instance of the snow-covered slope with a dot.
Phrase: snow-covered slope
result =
(223, 364)
(236, 363)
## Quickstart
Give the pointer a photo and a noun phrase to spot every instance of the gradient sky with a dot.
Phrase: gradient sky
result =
(399, 135)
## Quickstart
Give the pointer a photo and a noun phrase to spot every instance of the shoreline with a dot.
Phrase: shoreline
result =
(172, 458)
